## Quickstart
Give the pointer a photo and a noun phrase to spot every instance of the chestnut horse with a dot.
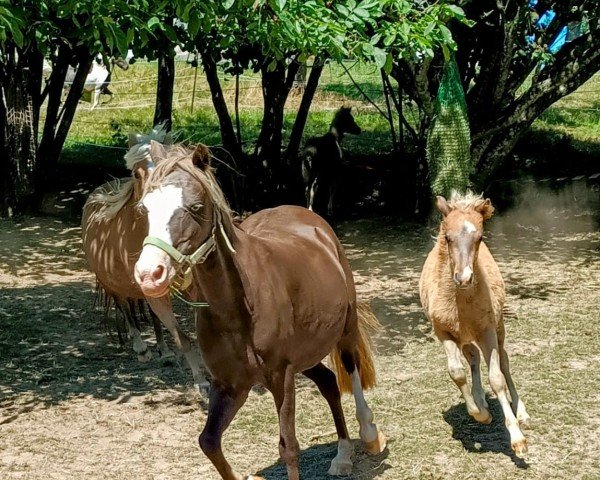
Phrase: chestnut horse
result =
(113, 231)
(462, 292)
(281, 298)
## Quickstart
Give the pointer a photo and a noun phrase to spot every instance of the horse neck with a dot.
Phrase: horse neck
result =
(337, 132)
(218, 280)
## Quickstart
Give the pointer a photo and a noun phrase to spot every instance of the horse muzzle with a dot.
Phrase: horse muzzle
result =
(153, 272)
(463, 278)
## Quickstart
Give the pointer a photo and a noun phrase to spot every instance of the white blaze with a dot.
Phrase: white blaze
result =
(161, 204)
(466, 274)
(469, 227)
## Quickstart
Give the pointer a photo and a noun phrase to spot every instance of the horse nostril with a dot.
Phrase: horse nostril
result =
(158, 273)
(455, 278)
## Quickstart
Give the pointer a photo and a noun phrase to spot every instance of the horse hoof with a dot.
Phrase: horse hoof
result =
(524, 421)
(340, 468)
(204, 388)
(165, 352)
(376, 446)
(520, 447)
(144, 357)
(483, 416)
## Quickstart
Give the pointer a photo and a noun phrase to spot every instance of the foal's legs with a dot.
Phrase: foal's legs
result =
(472, 355)
(458, 374)
(223, 404)
(327, 384)
(283, 388)
(517, 403)
(489, 347)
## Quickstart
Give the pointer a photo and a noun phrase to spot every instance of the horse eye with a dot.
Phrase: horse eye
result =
(136, 175)
(196, 206)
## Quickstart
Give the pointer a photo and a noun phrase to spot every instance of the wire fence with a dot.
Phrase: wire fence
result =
(135, 91)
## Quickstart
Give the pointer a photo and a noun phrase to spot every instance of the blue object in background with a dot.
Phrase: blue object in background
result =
(530, 39)
(545, 19)
(559, 41)
(533, 3)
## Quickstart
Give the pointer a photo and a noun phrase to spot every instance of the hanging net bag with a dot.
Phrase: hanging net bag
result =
(449, 139)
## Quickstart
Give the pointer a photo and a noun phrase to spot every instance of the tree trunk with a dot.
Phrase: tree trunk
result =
(302, 115)
(228, 137)
(19, 139)
(163, 111)
(276, 85)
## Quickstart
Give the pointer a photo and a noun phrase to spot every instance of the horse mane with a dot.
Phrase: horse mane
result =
(465, 201)
(110, 198)
(179, 156)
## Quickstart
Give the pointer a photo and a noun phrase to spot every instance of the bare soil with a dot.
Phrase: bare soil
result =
(76, 405)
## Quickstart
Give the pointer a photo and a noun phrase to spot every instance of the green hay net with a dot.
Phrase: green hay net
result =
(449, 140)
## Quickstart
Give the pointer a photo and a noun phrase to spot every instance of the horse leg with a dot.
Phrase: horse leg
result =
(332, 189)
(471, 353)
(284, 392)
(459, 376)
(163, 349)
(95, 98)
(325, 380)
(517, 403)
(163, 309)
(371, 436)
(489, 347)
(310, 196)
(139, 345)
(223, 404)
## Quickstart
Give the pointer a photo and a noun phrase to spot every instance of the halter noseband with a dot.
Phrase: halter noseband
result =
(199, 256)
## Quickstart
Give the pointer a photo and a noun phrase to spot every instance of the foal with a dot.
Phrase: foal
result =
(280, 296)
(462, 292)
(322, 160)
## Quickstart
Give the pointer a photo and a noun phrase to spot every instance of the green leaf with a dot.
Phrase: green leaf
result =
(153, 22)
(380, 56)
(227, 4)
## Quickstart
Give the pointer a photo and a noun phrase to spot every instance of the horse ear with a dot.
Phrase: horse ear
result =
(201, 157)
(133, 139)
(486, 209)
(442, 205)
(157, 150)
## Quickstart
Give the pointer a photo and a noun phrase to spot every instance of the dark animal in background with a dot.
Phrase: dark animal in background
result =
(322, 160)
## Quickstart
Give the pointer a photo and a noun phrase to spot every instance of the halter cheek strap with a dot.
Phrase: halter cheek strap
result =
(187, 262)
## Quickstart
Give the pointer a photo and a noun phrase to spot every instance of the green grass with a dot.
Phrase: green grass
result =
(576, 116)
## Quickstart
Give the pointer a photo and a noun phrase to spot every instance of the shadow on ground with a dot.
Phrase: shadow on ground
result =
(478, 438)
(316, 460)
(55, 346)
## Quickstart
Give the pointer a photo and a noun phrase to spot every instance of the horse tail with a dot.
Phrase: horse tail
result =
(363, 354)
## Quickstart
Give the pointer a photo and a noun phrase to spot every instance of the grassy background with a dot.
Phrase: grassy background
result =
(576, 117)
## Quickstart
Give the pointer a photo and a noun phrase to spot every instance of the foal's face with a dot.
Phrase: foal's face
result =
(179, 214)
(463, 230)
(345, 122)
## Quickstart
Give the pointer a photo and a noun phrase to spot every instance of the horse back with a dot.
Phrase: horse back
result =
(298, 283)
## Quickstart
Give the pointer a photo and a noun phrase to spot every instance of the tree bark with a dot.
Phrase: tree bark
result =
(228, 137)
(163, 110)
(302, 115)
(19, 143)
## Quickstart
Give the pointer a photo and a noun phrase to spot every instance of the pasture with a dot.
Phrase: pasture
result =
(73, 404)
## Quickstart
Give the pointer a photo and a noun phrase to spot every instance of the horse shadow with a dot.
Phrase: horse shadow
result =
(316, 460)
(478, 438)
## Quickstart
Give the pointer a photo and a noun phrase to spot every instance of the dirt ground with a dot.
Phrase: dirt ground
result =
(75, 405)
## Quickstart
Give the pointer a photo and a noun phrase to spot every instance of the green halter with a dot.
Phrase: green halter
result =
(184, 278)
